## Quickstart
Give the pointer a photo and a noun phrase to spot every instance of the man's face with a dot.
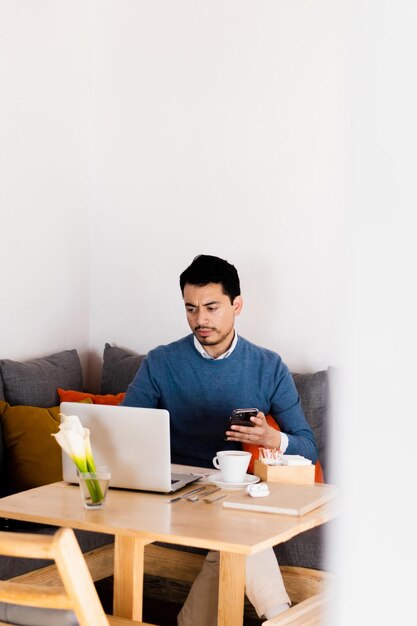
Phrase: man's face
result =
(211, 316)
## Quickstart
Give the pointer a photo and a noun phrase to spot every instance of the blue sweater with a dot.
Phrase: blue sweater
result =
(201, 393)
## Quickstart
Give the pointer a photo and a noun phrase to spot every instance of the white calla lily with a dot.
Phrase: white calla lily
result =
(74, 439)
(89, 454)
(72, 422)
(74, 446)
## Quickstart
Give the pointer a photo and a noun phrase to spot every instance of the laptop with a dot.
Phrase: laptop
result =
(134, 443)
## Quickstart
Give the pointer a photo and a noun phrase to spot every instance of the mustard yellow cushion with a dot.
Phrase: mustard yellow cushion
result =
(33, 457)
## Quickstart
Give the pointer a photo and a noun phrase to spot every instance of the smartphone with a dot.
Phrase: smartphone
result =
(241, 417)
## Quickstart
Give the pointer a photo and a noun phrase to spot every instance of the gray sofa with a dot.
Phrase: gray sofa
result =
(34, 384)
(24, 387)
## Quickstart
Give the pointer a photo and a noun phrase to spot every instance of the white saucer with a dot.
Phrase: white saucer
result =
(216, 479)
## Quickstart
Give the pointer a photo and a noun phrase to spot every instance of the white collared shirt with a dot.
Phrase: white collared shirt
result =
(206, 355)
(200, 349)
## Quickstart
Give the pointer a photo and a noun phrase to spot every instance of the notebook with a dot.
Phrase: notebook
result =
(134, 443)
(284, 499)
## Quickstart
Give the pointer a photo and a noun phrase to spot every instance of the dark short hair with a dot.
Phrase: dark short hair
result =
(207, 269)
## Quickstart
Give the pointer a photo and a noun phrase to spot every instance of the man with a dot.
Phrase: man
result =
(200, 379)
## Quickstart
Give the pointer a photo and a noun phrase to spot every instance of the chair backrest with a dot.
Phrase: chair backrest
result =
(77, 592)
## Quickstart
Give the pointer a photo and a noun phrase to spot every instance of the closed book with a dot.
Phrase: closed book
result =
(284, 499)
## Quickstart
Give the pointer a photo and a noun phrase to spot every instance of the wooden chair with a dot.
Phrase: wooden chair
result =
(76, 591)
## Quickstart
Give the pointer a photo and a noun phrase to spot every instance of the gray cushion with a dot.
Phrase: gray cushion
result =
(35, 382)
(119, 368)
(1, 389)
(3, 481)
(309, 548)
(32, 616)
(313, 391)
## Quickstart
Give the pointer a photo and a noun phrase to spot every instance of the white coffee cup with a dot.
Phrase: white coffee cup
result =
(233, 465)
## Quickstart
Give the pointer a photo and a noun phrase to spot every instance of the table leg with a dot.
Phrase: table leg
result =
(128, 577)
(231, 589)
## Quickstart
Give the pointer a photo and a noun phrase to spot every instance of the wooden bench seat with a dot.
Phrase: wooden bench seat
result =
(307, 588)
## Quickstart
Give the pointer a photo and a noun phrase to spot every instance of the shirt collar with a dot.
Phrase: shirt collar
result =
(205, 354)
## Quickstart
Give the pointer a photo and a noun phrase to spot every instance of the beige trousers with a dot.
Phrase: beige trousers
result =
(264, 588)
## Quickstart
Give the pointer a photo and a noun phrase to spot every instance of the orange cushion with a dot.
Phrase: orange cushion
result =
(79, 396)
(254, 449)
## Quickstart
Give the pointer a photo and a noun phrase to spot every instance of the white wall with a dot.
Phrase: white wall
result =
(177, 128)
(45, 188)
(221, 128)
(280, 135)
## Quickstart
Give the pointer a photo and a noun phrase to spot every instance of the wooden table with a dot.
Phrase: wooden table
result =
(136, 519)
